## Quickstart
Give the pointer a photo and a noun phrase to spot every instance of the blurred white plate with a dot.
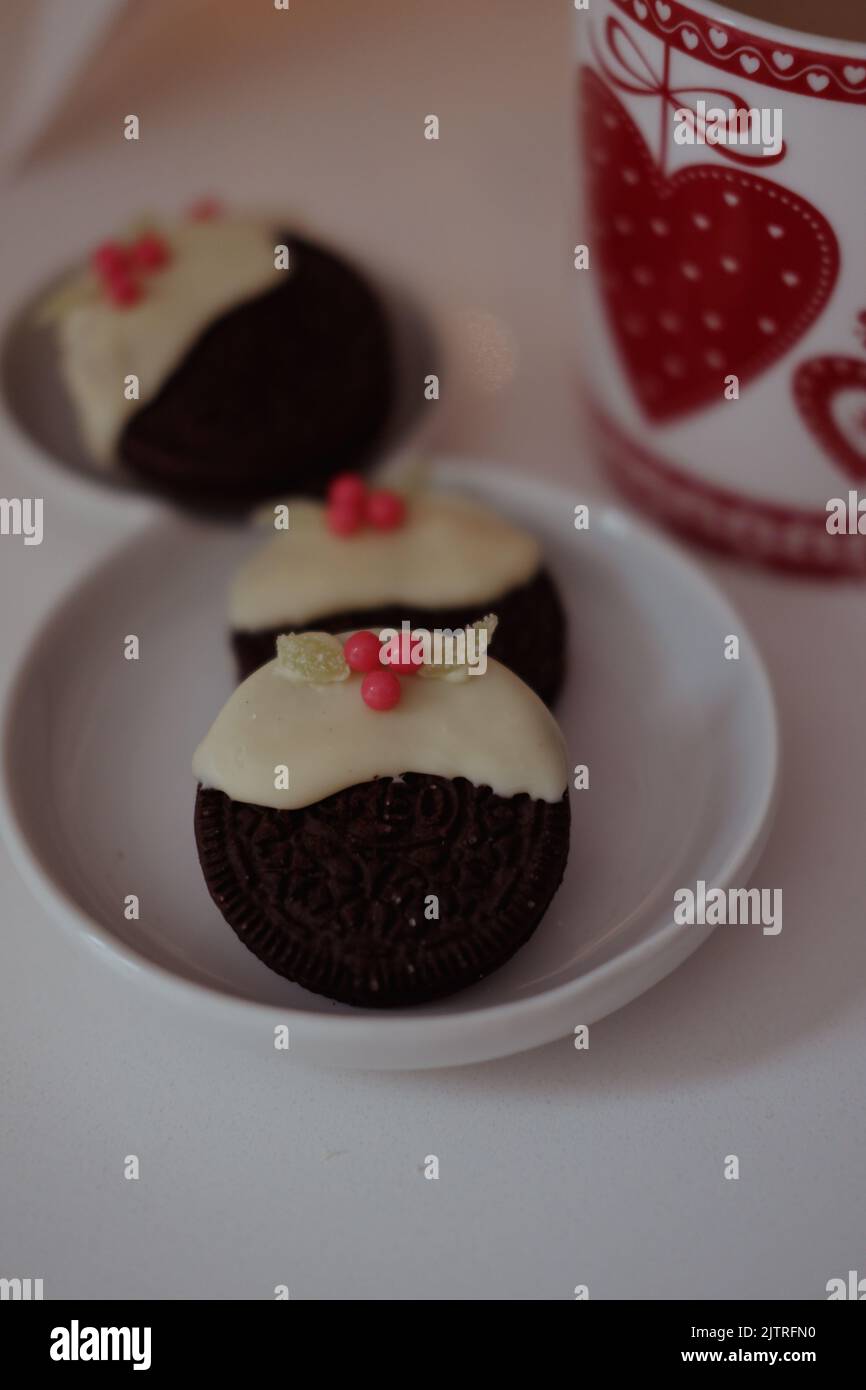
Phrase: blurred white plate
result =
(681, 746)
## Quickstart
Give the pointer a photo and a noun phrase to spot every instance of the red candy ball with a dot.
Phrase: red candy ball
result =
(205, 209)
(347, 490)
(408, 667)
(385, 510)
(109, 258)
(361, 651)
(380, 690)
(343, 520)
(150, 252)
(122, 290)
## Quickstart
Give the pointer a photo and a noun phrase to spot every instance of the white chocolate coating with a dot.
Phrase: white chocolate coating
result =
(449, 552)
(491, 729)
(215, 266)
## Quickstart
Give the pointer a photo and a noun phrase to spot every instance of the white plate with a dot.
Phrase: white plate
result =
(681, 745)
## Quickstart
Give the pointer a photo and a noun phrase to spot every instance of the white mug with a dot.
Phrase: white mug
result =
(722, 258)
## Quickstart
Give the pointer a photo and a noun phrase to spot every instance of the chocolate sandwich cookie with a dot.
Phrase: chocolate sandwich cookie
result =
(439, 562)
(381, 850)
(221, 360)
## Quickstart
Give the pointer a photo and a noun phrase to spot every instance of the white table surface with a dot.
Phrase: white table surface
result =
(558, 1167)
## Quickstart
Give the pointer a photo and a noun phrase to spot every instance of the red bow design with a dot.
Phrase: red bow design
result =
(641, 80)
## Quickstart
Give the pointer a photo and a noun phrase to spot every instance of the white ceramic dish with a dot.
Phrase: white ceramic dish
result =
(681, 745)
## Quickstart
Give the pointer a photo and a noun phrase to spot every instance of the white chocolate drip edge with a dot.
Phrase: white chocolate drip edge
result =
(491, 729)
(449, 551)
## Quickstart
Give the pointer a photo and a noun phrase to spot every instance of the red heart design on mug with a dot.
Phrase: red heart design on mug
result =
(831, 395)
(708, 272)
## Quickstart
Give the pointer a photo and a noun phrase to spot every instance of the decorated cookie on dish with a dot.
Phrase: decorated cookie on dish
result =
(378, 837)
(222, 360)
(371, 558)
